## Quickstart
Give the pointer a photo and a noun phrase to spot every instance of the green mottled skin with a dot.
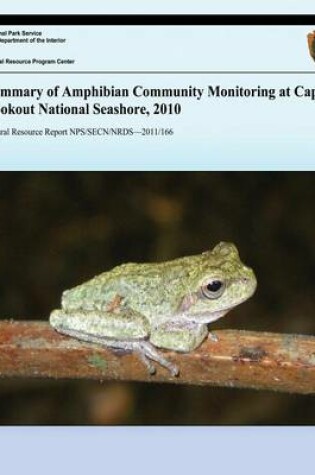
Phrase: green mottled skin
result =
(157, 289)
(159, 302)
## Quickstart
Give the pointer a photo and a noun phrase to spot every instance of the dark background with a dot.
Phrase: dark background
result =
(60, 229)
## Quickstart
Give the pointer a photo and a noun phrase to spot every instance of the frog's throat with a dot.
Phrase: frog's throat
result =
(204, 317)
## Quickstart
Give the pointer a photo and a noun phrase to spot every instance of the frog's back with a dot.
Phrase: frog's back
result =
(92, 294)
(145, 285)
(98, 293)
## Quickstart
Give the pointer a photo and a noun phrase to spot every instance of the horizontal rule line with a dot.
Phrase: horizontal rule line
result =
(158, 19)
(156, 72)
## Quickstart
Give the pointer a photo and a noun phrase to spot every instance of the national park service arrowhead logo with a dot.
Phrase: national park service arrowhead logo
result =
(311, 44)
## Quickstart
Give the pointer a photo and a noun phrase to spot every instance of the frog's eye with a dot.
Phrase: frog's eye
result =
(213, 289)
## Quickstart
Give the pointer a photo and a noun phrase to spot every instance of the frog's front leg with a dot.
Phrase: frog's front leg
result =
(126, 330)
(179, 336)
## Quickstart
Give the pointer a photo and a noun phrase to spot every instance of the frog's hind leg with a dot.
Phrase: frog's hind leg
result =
(144, 349)
(103, 330)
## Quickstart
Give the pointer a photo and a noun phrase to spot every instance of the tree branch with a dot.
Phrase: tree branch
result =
(239, 359)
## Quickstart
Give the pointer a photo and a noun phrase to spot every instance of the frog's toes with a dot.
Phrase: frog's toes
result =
(174, 370)
(150, 367)
(213, 337)
(148, 352)
(152, 370)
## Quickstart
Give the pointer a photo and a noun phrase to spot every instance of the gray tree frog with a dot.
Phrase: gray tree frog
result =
(142, 307)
